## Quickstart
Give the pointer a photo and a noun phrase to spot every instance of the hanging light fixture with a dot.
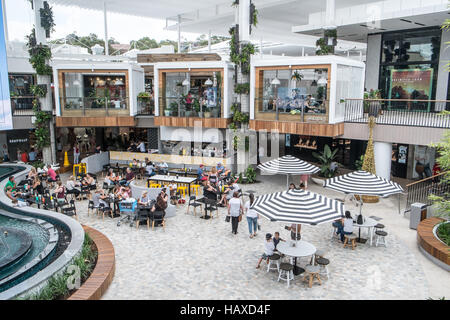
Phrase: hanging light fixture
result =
(76, 83)
(185, 82)
(118, 82)
(275, 81)
(208, 82)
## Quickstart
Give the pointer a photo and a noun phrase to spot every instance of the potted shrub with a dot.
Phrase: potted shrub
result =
(196, 107)
(326, 158)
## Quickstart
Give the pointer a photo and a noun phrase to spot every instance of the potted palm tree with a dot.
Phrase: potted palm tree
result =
(327, 169)
(296, 77)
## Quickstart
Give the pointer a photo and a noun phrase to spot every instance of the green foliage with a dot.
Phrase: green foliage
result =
(38, 164)
(359, 162)
(39, 54)
(442, 202)
(239, 117)
(242, 88)
(244, 57)
(39, 90)
(56, 288)
(47, 21)
(326, 158)
(297, 76)
(234, 45)
(443, 232)
(323, 48)
(143, 95)
(250, 173)
(320, 93)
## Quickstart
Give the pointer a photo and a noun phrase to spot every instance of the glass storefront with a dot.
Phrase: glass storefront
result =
(20, 91)
(94, 91)
(409, 68)
(192, 94)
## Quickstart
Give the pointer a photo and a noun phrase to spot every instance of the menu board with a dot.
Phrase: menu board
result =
(5, 102)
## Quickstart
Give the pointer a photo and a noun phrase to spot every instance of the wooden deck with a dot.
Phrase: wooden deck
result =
(427, 240)
(97, 284)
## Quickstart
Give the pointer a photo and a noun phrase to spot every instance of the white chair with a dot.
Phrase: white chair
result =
(275, 259)
(286, 273)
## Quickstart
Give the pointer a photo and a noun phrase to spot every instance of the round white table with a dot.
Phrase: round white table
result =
(368, 223)
(301, 249)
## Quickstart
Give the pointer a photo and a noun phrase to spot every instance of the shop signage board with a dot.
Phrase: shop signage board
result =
(411, 84)
(5, 100)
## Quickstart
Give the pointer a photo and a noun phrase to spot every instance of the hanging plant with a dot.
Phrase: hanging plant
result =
(242, 88)
(39, 54)
(47, 21)
(234, 44)
(297, 76)
(235, 3)
(39, 90)
(244, 58)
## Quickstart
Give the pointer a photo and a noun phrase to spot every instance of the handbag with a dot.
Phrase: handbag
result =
(240, 218)
(359, 219)
(227, 219)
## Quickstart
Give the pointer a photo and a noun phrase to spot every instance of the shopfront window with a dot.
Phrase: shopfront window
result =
(409, 68)
(292, 92)
(192, 94)
(94, 91)
(20, 91)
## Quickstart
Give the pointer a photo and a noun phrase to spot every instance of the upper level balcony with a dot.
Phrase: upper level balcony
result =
(399, 112)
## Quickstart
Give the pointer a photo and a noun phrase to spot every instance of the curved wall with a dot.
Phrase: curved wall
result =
(73, 249)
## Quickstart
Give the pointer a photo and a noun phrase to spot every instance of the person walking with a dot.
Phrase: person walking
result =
(252, 216)
(235, 211)
(76, 154)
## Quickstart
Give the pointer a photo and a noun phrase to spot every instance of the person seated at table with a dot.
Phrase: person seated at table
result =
(302, 186)
(161, 201)
(277, 239)
(124, 193)
(144, 200)
(37, 186)
(99, 197)
(220, 168)
(269, 248)
(73, 186)
(213, 177)
(295, 231)
(60, 192)
(132, 148)
(225, 174)
(200, 173)
(292, 186)
(32, 173)
(11, 183)
(88, 180)
(163, 168)
(141, 147)
(13, 195)
(135, 163)
(209, 191)
(129, 176)
(345, 226)
(110, 178)
(228, 193)
(51, 174)
(150, 169)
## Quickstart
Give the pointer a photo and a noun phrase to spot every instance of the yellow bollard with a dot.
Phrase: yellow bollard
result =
(66, 160)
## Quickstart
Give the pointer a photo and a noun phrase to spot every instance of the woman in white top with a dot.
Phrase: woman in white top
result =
(235, 210)
(347, 223)
(252, 216)
(143, 200)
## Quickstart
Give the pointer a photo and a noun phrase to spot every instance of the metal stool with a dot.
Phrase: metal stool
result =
(275, 258)
(379, 226)
(286, 269)
(311, 273)
(323, 265)
(381, 238)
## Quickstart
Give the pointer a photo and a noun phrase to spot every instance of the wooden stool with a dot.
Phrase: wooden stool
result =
(286, 269)
(352, 238)
(195, 187)
(311, 273)
(323, 265)
(182, 189)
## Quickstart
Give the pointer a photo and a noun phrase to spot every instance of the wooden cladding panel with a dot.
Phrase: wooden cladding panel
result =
(190, 122)
(95, 122)
(300, 128)
(427, 240)
(172, 57)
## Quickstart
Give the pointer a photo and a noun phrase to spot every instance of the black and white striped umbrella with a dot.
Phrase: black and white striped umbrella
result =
(288, 165)
(298, 206)
(363, 183)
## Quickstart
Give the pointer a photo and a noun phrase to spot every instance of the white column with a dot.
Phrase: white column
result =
(105, 20)
(383, 158)
(442, 77)
(303, 51)
(179, 34)
(5, 22)
(244, 23)
(209, 41)
(261, 47)
(330, 12)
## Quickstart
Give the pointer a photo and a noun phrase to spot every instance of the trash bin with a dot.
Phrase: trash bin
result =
(418, 213)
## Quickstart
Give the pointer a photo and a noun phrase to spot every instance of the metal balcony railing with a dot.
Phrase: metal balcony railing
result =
(22, 105)
(401, 112)
(421, 190)
(145, 106)
(173, 107)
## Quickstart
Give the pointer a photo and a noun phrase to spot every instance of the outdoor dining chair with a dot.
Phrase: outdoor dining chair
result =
(142, 215)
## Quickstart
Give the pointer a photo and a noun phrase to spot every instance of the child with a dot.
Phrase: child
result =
(277, 239)
(269, 247)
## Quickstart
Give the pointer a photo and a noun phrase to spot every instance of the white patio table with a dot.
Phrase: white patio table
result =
(302, 249)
